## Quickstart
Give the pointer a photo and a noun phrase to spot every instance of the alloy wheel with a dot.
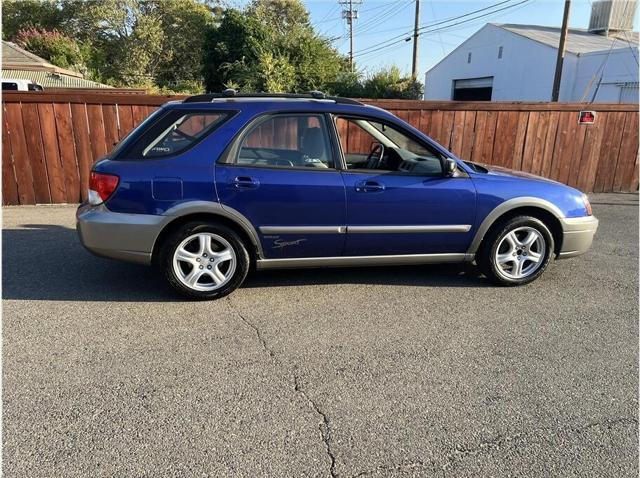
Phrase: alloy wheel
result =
(204, 261)
(520, 253)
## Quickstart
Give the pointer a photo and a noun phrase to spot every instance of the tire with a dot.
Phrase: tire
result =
(507, 259)
(201, 268)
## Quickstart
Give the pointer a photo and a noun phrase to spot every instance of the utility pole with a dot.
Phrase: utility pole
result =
(350, 15)
(414, 64)
(559, 62)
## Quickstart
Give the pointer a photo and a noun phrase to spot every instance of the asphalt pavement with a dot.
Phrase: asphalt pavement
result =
(405, 371)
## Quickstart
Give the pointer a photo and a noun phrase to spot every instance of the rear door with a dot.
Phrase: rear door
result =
(281, 175)
(398, 200)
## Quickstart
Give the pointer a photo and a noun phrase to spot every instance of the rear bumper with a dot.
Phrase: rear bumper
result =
(578, 235)
(127, 237)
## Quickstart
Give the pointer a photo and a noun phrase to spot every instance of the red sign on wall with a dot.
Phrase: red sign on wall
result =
(587, 117)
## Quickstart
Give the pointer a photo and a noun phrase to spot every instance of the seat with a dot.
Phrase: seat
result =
(313, 148)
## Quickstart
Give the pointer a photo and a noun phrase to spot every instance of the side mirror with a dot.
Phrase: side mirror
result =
(450, 167)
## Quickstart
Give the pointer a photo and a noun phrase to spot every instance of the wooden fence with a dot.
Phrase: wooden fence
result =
(50, 140)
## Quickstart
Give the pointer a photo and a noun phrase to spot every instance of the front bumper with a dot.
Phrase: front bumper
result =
(577, 235)
(127, 237)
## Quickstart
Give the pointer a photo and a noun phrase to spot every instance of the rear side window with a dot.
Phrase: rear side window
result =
(6, 85)
(174, 133)
(287, 141)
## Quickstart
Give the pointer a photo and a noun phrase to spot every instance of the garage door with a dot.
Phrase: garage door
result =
(473, 89)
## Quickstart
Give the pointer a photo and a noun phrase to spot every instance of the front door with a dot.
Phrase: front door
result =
(283, 178)
(398, 200)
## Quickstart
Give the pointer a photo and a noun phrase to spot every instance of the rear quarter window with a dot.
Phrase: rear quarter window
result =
(174, 133)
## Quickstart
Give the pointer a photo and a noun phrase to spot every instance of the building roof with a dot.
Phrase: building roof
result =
(18, 63)
(50, 79)
(579, 41)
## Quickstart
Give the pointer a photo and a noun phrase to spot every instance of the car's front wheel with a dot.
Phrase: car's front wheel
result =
(204, 261)
(516, 252)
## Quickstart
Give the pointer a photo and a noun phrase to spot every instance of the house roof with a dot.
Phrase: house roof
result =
(18, 63)
(49, 79)
(579, 41)
(14, 57)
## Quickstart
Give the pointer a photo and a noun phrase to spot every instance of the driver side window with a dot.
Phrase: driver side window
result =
(371, 145)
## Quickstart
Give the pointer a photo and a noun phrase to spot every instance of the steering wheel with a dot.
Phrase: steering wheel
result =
(374, 157)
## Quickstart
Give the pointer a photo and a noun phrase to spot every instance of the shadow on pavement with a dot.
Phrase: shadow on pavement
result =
(47, 262)
(441, 275)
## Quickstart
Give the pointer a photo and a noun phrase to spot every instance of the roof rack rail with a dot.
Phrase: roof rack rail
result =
(231, 94)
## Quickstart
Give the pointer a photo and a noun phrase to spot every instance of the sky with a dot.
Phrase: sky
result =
(380, 21)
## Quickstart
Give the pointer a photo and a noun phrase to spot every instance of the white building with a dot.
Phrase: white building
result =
(507, 62)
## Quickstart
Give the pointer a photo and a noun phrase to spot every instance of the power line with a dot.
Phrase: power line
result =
(431, 25)
(325, 31)
(433, 13)
(334, 9)
(446, 29)
(603, 66)
(633, 52)
(430, 29)
(373, 22)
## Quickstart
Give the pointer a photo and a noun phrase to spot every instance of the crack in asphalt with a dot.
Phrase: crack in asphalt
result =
(405, 465)
(324, 427)
(495, 443)
(462, 451)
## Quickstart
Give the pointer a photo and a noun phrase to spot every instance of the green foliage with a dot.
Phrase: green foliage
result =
(52, 46)
(385, 83)
(282, 17)
(187, 45)
(347, 84)
(390, 83)
(147, 42)
(22, 14)
(231, 52)
(142, 43)
(184, 24)
(270, 46)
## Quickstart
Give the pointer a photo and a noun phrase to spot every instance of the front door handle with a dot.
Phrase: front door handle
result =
(245, 182)
(369, 187)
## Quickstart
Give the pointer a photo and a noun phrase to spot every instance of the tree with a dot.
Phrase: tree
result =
(53, 46)
(22, 14)
(177, 45)
(389, 83)
(185, 24)
(385, 83)
(281, 16)
(270, 46)
(153, 43)
(231, 52)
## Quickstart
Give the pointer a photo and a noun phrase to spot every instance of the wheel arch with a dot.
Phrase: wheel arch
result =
(547, 212)
(209, 212)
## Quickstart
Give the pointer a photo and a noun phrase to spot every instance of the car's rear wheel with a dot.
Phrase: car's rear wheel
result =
(204, 261)
(517, 251)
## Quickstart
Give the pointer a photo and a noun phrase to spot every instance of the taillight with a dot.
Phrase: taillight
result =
(587, 204)
(101, 186)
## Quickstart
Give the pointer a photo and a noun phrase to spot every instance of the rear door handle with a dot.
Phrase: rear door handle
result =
(245, 182)
(369, 187)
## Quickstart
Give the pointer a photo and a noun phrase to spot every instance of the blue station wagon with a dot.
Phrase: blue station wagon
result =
(211, 186)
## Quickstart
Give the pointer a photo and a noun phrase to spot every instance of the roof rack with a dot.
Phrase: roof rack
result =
(231, 94)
